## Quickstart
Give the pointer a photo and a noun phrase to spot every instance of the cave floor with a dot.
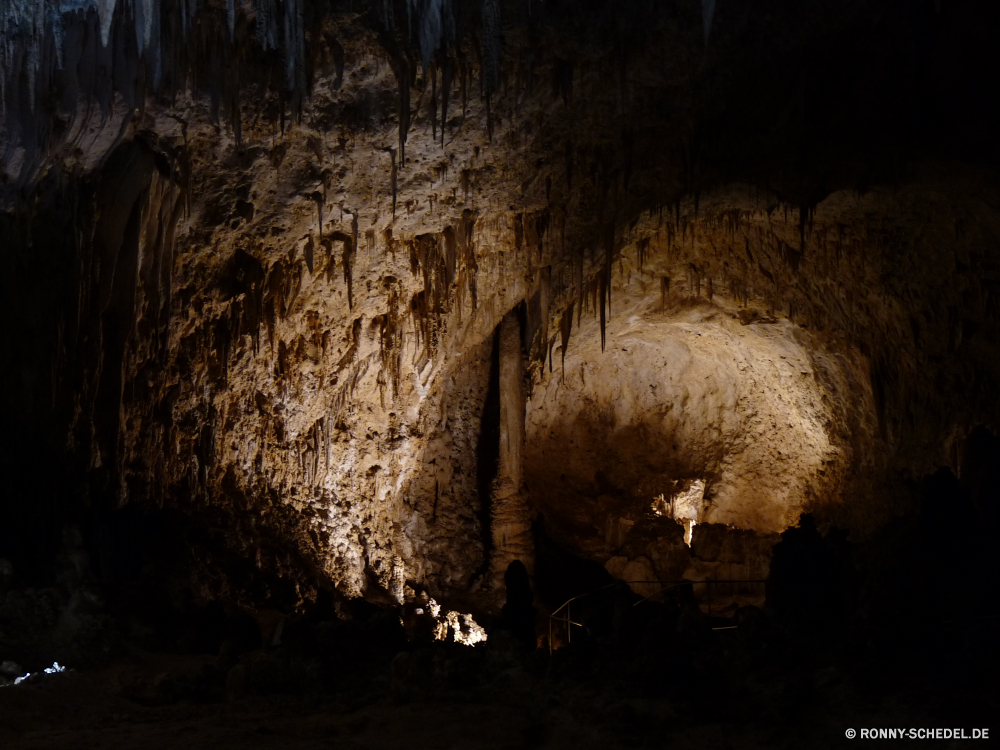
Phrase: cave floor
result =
(72, 711)
(793, 693)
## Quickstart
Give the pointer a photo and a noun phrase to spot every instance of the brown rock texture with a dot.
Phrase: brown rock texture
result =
(284, 324)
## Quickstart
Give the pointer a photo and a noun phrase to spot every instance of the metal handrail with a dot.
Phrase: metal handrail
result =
(665, 586)
(567, 620)
(587, 593)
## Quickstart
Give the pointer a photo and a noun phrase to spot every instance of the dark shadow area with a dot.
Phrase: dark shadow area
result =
(812, 576)
(517, 615)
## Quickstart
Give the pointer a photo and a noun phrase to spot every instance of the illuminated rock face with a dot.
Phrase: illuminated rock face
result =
(287, 329)
(738, 407)
(716, 421)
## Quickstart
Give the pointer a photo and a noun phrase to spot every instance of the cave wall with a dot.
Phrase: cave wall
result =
(790, 368)
(269, 303)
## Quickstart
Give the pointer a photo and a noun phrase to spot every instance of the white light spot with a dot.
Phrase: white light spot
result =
(56, 667)
(465, 630)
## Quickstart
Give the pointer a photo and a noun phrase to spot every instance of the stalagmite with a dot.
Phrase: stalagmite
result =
(510, 516)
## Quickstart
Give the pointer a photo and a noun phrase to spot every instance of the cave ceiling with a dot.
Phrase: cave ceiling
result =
(255, 254)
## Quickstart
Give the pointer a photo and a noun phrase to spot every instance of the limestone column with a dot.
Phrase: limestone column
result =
(510, 517)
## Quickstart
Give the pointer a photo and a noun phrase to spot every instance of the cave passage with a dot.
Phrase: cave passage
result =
(497, 373)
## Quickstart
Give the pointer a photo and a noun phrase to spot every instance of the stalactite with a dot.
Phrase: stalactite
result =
(491, 48)
(282, 360)
(166, 49)
(463, 83)
(450, 254)
(544, 283)
(540, 226)
(432, 104)
(609, 254)
(466, 231)
(565, 328)
(579, 290)
(435, 26)
(317, 197)
(641, 248)
(353, 338)
(354, 232)
(294, 49)
(308, 254)
(348, 262)
(419, 311)
(267, 23)
(294, 278)
(105, 12)
(270, 319)
(401, 71)
(447, 73)
(604, 285)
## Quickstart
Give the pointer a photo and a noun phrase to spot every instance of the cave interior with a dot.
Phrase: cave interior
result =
(498, 373)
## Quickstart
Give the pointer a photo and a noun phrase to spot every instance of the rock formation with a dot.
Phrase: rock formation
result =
(356, 293)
